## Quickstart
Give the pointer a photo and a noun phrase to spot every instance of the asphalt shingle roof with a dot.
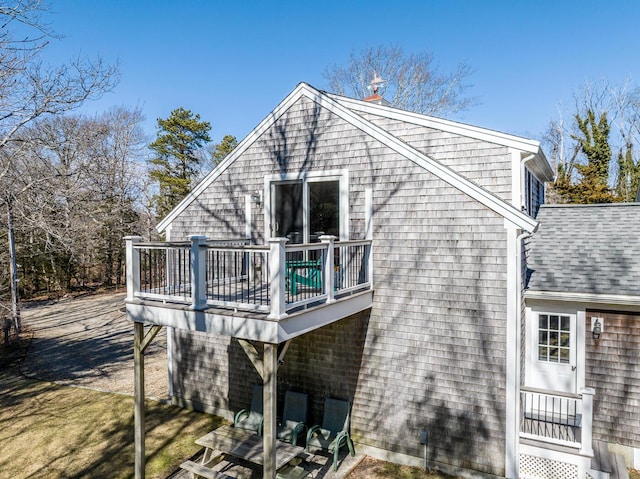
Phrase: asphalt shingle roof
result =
(586, 249)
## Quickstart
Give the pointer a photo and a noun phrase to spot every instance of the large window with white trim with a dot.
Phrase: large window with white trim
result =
(303, 209)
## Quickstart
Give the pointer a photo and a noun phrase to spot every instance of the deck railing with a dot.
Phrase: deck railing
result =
(557, 418)
(273, 278)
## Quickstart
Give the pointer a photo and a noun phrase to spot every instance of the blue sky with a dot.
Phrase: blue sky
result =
(233, 62)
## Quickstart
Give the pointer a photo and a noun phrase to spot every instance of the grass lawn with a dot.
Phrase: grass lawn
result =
(53, 431)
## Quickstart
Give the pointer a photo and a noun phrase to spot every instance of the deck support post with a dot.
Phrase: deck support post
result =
(270, 396)
(138, 361)
(140, 343)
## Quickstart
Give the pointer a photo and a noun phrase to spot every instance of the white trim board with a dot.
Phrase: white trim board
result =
(584, 298)
(463, 129)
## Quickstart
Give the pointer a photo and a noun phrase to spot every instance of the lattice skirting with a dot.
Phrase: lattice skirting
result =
(532, 467)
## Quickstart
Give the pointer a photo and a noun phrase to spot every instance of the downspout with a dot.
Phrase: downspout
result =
(513, 403)
(170, 345)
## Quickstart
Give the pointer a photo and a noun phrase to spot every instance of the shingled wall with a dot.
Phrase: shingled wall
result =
(431, 352)
(613, 369)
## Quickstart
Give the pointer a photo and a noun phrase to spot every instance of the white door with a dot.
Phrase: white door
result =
(552, 352)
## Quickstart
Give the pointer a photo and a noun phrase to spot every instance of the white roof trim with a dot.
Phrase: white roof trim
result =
(525, 145)
(484, 134)
(476, 192)
(613, 299)
(330, 102)
(238, 151)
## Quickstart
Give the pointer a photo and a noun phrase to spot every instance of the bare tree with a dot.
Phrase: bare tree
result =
(30, 89)
(90, 200)
(413, 81)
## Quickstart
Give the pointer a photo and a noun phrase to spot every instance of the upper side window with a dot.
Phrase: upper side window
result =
(533, 193)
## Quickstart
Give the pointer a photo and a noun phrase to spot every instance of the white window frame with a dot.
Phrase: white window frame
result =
(342, 176)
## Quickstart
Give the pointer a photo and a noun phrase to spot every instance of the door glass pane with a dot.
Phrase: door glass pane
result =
(554, 338)
(543, 337)
(324, 209)
(542, 353)
(287, 212)
(543, 321)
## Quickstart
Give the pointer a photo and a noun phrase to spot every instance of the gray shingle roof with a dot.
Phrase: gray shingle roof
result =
(586, 249)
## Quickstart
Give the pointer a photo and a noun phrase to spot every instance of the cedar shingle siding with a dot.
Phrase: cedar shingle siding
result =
(430, 353)
(613, 369)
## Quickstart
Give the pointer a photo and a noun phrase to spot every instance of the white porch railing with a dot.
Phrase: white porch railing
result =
(273, 278)
(557, 418)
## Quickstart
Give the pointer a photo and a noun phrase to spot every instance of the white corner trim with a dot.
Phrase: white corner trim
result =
(512, 353)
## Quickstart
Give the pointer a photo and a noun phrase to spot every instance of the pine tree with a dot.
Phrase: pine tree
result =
(177, 163)
(222, 149)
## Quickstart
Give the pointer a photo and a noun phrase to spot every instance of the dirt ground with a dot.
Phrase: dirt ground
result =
(87, 342)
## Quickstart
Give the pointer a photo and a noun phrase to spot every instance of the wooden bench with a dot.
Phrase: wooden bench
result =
(292, 472)
(198, 470)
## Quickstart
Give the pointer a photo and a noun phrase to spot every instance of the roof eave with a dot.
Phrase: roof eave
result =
(540, 167)
(584, 298)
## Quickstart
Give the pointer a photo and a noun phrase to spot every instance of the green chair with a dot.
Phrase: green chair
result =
(312, 276)
(251, 419)
(334, 432)
(294, 417)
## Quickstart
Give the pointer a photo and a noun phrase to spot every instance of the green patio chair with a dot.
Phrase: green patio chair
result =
(334, 432)
(251, 419)
(294, 417)
(305, 273)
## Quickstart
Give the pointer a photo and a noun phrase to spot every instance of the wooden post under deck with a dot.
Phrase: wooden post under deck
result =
(140, 343)
(138, 415)
(270, 396)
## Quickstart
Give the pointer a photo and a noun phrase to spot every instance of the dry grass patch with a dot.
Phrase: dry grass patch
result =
(53, 431)
(371, 468)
